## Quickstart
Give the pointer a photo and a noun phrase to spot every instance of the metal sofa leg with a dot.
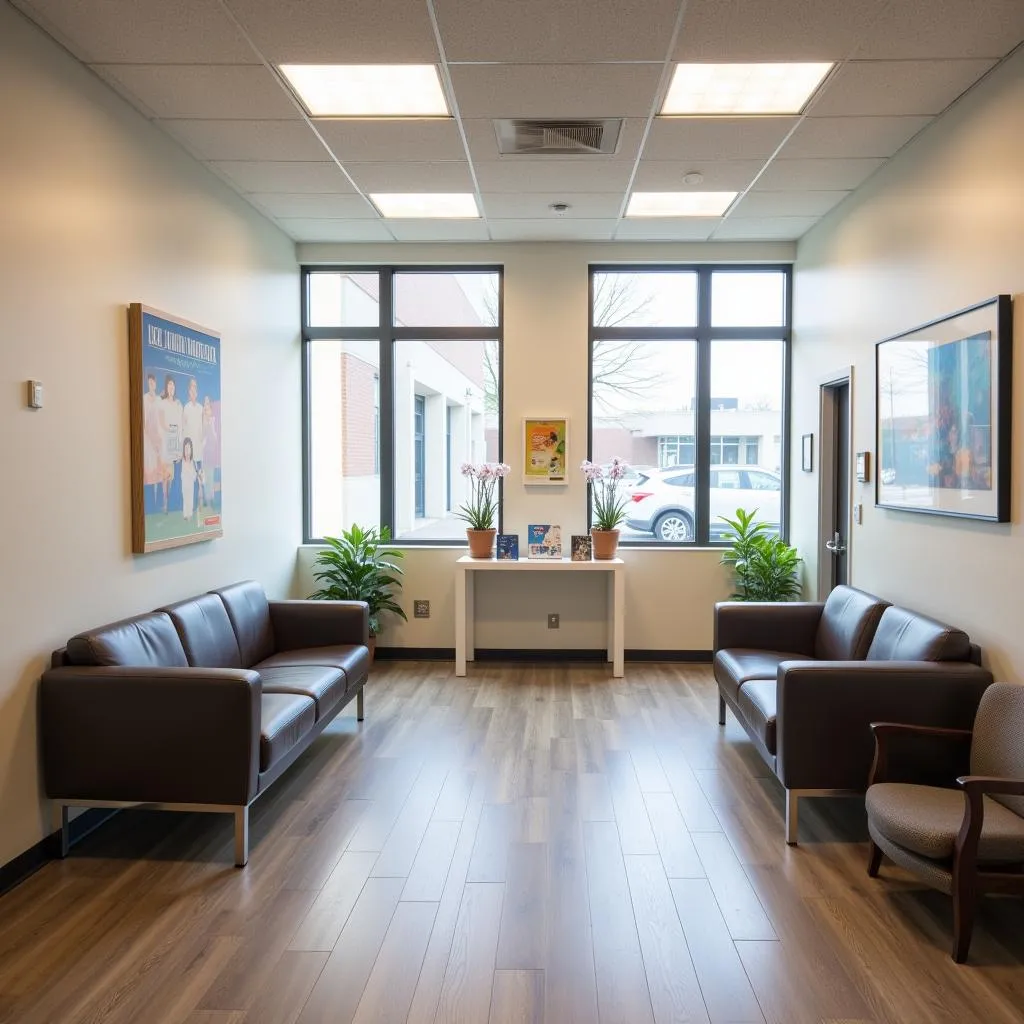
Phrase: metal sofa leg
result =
(792, 819)
(721, 710)
(241, 836)
(359, 706)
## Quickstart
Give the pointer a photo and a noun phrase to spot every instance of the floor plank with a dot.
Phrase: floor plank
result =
(517, 997)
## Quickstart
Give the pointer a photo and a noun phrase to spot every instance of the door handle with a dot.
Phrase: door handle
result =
(836, 545)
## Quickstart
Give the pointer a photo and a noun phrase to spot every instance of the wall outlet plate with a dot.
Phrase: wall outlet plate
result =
(553, 620)
(421, 609)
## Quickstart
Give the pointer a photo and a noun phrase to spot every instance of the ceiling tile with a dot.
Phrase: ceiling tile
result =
(483, 142)
(247, 140)
(544, 174)
(719, 175)
(430, 230)
(667, 229)
(716, 138)
(284, 176)
(851, 136)
(787, 204)
(817, 175)
(535, 205)
(552, 229)
(326, 32)
(897, 87)
(306, 230)
(542, 31)
(763, 229)
(752, 30)
(299, 206)
(394, 140)
(938, 28)
(209, 91)
(447, 176)
(143, 31)
(548, 90)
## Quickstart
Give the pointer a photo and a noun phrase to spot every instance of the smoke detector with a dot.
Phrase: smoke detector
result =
(693, 178)
(559, 209)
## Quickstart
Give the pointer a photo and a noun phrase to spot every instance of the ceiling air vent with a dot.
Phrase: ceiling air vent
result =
(530, 137)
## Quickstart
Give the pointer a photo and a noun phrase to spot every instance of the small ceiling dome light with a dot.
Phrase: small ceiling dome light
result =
(559, 209)
(693, 178)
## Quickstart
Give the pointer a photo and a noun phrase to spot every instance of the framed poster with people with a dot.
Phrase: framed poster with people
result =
(545, 450)
(175, 410)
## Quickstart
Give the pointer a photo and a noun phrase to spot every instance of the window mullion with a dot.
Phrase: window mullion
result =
(702, 419)
(386, 345)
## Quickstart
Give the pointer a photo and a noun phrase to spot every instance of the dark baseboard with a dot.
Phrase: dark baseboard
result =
(27, 863)
(537, 654)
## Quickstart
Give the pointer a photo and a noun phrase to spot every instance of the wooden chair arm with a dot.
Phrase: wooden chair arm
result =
(985, 784)
(896, 728)
(885, 732)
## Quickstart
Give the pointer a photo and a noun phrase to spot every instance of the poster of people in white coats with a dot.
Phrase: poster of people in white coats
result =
(175, 430)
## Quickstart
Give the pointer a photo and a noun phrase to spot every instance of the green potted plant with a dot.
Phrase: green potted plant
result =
(356, 567)
(479, 511)
(764, 566)
(609, 505)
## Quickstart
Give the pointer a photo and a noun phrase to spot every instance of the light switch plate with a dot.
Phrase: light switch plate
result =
(858, 514)
(34, 396)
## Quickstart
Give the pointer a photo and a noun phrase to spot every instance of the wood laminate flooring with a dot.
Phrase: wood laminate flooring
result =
(530, 843)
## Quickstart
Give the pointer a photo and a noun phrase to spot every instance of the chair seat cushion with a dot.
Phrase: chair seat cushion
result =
(352, 659)
(284, 719)
(926, 820)
(757, 702)
(324, 684)
(737, 665)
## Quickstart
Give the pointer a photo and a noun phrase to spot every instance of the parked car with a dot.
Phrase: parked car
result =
(662, 503)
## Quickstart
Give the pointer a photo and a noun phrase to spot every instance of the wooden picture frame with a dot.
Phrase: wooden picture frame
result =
(175, 393)
(943, 395)
(545, 450)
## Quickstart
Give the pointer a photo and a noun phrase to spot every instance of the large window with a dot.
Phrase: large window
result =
(688, 371)
(403, 385)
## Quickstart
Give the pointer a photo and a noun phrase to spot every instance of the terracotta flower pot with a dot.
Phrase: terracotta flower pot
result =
(606, 542)
(481, 543)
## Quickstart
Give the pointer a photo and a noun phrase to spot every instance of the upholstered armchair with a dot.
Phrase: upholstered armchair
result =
(966, 840)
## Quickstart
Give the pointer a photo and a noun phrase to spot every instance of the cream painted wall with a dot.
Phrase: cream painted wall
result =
(937, 229)
(670, 594)
(99, 209)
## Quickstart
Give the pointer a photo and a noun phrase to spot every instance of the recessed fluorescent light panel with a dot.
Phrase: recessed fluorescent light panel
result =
(742, 89)
(368, 90)
(449, 205)
(679, 204)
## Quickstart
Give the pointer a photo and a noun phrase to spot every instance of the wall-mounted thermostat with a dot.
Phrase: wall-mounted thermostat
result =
(35, 393)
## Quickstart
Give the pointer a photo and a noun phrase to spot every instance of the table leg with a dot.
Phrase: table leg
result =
(610, 610)
(619, 627)
(470, 616)
(460, 621)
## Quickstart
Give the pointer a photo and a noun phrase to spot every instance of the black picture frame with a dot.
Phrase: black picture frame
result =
(807, 453)
(943, 395)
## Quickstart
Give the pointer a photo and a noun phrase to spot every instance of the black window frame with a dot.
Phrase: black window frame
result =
(703, 334)
(387, 334)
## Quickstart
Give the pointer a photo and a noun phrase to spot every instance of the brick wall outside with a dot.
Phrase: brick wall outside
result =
(357, 392)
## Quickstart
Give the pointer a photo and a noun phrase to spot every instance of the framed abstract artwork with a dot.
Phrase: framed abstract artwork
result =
(943, 417)
(175, 430)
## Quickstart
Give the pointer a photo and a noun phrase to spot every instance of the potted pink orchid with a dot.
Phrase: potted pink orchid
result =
(482, 507)
(609, 504)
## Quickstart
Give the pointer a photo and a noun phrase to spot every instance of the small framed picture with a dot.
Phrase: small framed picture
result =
(582, 547)
(545, 450)
(545, 541)
(807, 453)
(863, 467)
(508, 547)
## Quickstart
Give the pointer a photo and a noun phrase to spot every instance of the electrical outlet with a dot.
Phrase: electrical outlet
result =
(553, 620)
(421, 609)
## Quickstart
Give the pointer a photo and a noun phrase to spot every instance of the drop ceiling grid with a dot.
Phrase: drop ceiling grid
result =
(196, 67)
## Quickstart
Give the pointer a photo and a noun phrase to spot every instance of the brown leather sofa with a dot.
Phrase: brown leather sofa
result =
(200, 705)
(807, 679)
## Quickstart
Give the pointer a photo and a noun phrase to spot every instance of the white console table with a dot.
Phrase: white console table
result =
(466, 566)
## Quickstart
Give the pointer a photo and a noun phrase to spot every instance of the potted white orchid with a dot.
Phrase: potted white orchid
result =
(609, 505)
(479, 512)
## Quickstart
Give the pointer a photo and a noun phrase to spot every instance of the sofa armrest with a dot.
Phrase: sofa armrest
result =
(299, 624)
(825, 710)
(171, 735)
(767, 626)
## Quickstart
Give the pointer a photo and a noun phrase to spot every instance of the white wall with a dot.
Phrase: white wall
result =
(939, 228)
(99, 209)
(669, 593)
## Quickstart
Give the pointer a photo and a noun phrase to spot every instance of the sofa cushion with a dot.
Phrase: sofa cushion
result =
(247, 608)
(352, 659)
(205, 632)
(757, 702)
(848, 623)
(284, 719)
(906, 636)
(145, 640)
(736, 666)
(324, 684)
(926, 820)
